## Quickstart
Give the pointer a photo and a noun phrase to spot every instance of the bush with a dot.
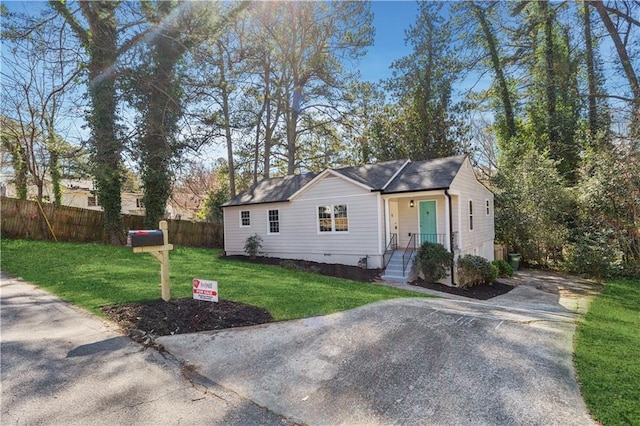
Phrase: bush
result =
(252, 245)
(593, 255)
(473, 270)
(504, 269)
(291, 265)
(434, 261)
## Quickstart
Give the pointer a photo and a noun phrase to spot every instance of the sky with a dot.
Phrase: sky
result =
(391, 19)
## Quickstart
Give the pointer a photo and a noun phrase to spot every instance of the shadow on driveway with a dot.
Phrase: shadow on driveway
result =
(405, 361)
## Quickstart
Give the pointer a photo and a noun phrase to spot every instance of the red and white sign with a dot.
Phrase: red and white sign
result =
(205, 290)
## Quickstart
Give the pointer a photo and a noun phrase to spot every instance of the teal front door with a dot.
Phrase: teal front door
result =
(428, 225)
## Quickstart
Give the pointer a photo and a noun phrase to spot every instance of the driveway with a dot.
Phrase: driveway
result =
(63, 366)
(409, 361)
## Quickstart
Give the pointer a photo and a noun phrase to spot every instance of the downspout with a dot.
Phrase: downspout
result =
(446, 192)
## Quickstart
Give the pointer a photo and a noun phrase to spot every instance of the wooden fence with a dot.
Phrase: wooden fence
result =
(23, 219)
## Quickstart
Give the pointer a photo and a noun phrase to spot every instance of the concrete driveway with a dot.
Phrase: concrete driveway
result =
(62, 366)
(410, 361)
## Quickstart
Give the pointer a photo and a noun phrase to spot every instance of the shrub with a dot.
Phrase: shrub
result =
(291, 265)
(434, 261)
(252, 245)
(504, 269)
(473, 270)
(593, 255)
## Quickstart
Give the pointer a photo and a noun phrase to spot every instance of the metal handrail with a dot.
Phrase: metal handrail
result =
(391, 247)
(411, 247)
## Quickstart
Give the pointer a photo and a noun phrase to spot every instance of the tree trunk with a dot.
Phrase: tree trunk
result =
(505, 95)
(591, 73)
(107, 147)
(550, 118)
(227, 123)
(625, 61)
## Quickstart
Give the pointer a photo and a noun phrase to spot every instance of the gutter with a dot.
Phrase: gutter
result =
(446, 192)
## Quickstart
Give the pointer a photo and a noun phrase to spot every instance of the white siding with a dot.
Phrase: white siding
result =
(478, 241)
(299, 237)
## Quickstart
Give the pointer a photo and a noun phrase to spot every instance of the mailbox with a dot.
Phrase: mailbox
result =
(146, 238)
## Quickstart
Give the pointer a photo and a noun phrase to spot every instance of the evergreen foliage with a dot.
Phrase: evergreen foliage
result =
(434, 261)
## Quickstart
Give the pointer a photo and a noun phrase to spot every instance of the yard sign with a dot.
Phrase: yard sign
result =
(205, 290)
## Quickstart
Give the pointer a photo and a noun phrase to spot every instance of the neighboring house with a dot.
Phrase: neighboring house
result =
(81, 193)
(367, 215)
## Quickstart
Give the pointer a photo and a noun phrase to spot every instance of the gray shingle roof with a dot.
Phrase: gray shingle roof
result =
(271, 190)
(426, 175)
(416, 176)
(374, 176)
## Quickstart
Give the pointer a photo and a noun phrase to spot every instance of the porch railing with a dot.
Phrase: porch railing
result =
(391, 247)
(406, 256)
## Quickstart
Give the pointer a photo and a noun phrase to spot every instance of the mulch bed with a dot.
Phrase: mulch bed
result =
(330, 269)
(160, 318)
(479, 292)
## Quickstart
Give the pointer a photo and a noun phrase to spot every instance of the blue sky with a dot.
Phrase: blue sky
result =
(391, 19)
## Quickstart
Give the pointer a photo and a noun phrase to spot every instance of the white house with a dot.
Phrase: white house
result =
(77, 193)
(374, 215)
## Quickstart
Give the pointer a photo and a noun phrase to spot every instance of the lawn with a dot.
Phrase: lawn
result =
(93, 275)
(607, 354)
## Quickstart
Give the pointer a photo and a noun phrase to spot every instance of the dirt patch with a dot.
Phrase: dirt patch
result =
(355, 273)
(479, 292)
(159, 318)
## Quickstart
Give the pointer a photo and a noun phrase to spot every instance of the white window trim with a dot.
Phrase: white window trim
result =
(471, 215)
(240, 217)
(333, 220)
(487, 206)
(269, 222)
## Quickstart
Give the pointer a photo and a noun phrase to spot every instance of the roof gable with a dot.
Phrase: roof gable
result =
(426, 175)
(375, 176)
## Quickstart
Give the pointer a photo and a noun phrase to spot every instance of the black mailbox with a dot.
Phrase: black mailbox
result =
(146, 238)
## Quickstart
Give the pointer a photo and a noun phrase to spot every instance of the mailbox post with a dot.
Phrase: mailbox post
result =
(155, 242)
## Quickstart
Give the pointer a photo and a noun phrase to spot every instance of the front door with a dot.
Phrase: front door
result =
(428, 225)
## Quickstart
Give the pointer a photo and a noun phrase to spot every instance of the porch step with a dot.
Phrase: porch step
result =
(393, 272)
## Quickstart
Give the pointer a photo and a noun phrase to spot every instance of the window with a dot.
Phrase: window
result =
(139, 203)
(333, 218)
(488, 205)
(470, 215)
(92, 201)
(340, 218)
(324, 218)
(274, 222)
(245, 218)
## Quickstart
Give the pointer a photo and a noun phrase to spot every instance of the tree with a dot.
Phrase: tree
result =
(312, 40)
(38, 81)
(98, 35)
(423, 86)
(532, 205)
(608, 197)
(157, 84)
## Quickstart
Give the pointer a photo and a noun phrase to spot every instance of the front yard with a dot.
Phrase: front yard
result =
(93, 276)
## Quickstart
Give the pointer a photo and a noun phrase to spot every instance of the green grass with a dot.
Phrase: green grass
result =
(607, 354)
(93, 275)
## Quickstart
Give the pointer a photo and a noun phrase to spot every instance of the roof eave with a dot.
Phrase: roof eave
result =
(444, 188)
(255, 204)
